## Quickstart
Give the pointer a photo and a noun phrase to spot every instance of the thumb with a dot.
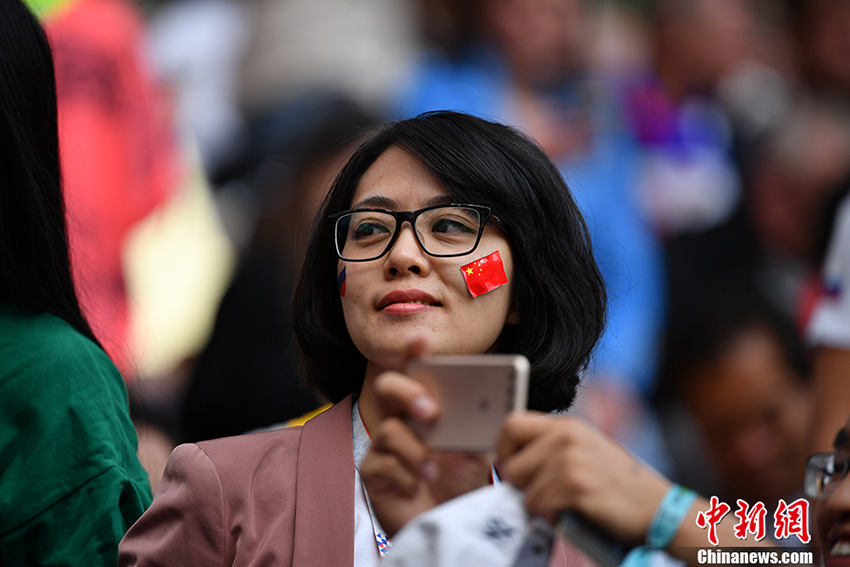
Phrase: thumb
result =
(416, 348)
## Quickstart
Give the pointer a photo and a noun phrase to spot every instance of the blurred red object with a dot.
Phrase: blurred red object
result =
(118, 151)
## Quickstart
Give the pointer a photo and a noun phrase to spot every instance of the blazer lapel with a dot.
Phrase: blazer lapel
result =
(324, 505)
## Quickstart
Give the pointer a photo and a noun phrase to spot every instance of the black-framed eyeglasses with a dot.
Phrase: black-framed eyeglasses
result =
(443, 231)
(822, 469)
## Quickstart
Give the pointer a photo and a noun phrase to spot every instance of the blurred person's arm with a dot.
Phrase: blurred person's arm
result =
(563, 463)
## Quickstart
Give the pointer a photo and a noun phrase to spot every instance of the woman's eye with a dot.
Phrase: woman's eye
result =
(367, 229)
(446, 225)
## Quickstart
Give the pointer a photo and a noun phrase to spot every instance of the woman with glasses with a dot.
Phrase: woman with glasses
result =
(417, 201)
(416, 210)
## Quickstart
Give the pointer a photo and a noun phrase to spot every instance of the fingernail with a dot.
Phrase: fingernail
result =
(422, 407)
(429, 471)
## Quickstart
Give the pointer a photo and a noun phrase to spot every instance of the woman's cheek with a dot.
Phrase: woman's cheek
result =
(350, 283)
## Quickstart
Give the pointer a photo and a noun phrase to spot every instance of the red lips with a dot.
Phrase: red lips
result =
(406, 296)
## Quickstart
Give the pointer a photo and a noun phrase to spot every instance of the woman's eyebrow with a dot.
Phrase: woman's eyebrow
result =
(439, 200)
(381, 202)
(377, 202)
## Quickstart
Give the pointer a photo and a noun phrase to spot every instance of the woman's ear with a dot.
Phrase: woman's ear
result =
(513, 317)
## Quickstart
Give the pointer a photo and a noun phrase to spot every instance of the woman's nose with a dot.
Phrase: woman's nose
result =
(406, 255)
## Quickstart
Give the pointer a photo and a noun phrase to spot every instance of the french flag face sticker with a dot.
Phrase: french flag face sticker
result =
(484, 274)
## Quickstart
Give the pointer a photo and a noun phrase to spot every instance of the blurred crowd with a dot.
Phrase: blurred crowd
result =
(707, 142)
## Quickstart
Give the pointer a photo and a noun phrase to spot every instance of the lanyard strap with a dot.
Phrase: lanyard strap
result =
(362, 440)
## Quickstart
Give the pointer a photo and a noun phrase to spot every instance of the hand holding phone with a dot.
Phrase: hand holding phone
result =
(412, 467)
(475, 392)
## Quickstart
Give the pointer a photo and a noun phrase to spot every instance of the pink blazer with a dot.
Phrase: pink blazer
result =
(278, 498)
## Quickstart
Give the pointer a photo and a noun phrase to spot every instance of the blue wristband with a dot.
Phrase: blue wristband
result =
(669, 516)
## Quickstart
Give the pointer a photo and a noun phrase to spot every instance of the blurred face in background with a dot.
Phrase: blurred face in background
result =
(728, 29)
(699, 42)
(803, 164)
(754, 414)
(542, 39)
(826, 45)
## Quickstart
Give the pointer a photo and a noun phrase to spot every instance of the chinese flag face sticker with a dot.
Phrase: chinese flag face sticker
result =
(484, 274)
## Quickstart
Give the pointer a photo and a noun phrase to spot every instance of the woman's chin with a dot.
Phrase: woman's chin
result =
(393, 350)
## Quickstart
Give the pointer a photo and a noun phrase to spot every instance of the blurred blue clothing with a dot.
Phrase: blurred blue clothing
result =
(476, 83)
(603, 182)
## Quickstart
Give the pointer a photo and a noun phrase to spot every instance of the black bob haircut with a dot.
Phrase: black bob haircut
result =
(558, 291)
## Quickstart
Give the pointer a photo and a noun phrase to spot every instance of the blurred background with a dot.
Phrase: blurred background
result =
(707, 142)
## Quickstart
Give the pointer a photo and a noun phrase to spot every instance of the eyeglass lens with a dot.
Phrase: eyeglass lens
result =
(442, 231)
(822, 469)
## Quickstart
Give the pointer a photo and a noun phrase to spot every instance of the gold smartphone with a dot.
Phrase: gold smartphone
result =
(476, 392)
